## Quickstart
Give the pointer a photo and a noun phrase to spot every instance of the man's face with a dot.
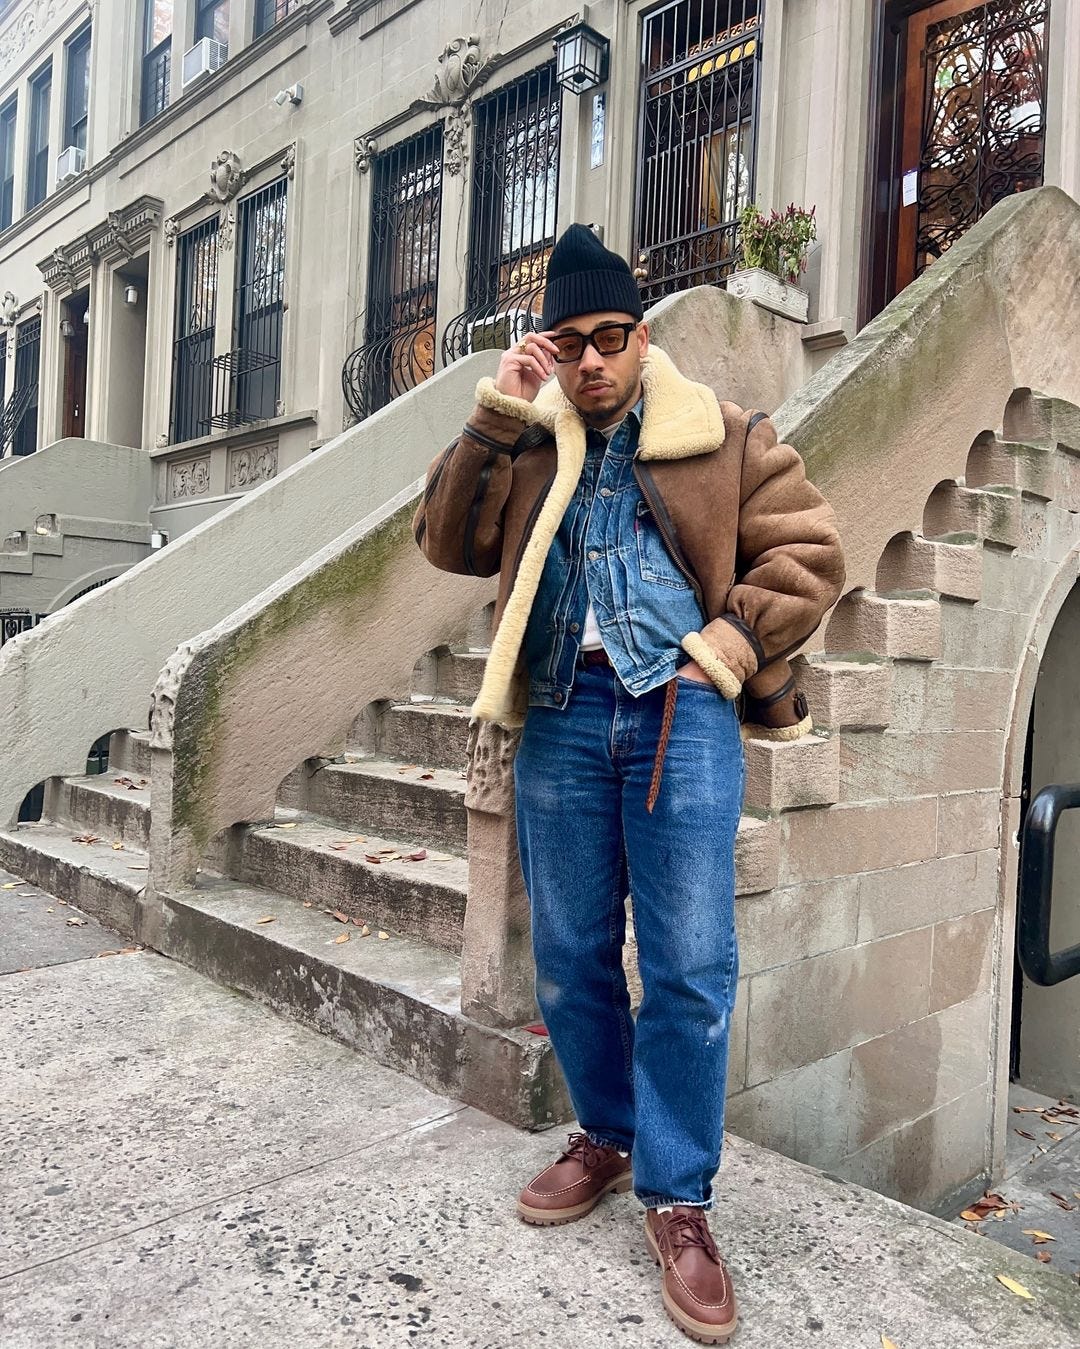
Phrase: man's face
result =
(602, 388)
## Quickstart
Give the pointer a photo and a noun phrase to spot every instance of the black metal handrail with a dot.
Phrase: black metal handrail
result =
(1040, 964)
(12, 415)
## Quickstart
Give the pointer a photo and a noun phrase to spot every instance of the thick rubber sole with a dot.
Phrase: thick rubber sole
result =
(540, 1217)
(700, 1331)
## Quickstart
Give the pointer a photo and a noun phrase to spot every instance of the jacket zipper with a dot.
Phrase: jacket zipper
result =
(666, 531)
(432, 483)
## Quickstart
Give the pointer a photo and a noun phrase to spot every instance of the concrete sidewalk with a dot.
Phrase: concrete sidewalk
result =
(183, 1168)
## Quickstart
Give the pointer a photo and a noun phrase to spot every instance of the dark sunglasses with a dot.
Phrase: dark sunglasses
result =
(609, 339)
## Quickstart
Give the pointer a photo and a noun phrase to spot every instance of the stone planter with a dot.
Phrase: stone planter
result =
(768, 291)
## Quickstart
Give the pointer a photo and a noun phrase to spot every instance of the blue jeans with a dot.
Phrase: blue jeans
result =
(582, 774)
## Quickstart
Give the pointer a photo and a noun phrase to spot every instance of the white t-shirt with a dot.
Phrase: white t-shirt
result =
(590, 638)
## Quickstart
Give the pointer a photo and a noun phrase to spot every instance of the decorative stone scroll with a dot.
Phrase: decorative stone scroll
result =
(462, 69)
(120, 236)
(251, 464)
(189, 478)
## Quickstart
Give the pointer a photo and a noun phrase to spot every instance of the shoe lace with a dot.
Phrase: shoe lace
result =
(688, 1229)
(580, 1147)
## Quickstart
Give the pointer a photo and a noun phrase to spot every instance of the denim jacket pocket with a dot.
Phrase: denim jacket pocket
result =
(655, 562)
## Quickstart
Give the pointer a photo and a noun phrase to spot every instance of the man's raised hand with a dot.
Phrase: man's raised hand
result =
(526, 366)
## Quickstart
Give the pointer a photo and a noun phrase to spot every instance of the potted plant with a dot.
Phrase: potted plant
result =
(773, 249)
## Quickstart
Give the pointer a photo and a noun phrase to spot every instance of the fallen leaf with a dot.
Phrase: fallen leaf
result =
(405, 767)
(1064, 1203)
(9, 885)
(307, 903)
(338, 847)
(426, 777)
(418, 856)
(384, 936)
(338, 940)
(967, 1214)
(988, 1203)
(886, 1343)
(1024, 1134)
(1043, 1256)
(341, 917)
(365, 931)
(138, 866)
(1056, 1137)
(270, 918)
(118, 846)
(290, 825)
(1013, 1286)
(76, 922)
(358, 922)
(1040, 1237)
(1027, 1109)
(371, 857)
(1054, 1195)
(50, 909)
(100, 954)
(85, 838)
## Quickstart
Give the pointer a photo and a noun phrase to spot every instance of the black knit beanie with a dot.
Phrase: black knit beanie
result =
(584, 277)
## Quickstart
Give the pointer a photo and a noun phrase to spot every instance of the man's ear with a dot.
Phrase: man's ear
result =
(643, 338)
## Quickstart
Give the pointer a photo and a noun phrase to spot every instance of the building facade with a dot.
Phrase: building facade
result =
(230, 227)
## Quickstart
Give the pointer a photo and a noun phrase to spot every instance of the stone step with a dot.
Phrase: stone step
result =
(296, 857)
(424, 806)
(434, 734)
(395, 999)
(102, 803)
(459, 675)
(103, 881)
(129, 752)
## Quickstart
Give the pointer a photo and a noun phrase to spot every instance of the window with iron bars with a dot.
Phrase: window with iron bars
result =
(698, 112)
(193, 341)
(515, 202)
(247, 379)
(269, 13)
(24, 398)
(403, 275)
(8, 115)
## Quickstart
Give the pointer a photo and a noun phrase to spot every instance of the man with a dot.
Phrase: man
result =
(659, 554)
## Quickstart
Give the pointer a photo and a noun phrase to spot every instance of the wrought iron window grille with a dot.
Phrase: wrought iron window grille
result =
(515, 202)
(403, 276)
(24, 399)
(196, 317)
(697, 140)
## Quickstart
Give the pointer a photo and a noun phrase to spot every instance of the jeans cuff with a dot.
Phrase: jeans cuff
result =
(603, 1141)
(658, 1201)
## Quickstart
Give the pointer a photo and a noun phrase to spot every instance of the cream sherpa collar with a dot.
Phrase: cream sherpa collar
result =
(682, 418)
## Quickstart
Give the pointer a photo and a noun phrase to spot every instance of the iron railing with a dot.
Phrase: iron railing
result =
(247, 379)
(12, 415)
(403, 276)
(25, 398)
(1040, 963)
(515, 202)
(697, 140)
(16, 621)
(193, 344)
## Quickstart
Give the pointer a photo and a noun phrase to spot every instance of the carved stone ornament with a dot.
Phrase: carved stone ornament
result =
(189, 479)
(226, 228)
(162, 439)
(163, 699)
(462, 69)
(251, 464)
(288, 162)
(63, 269)
(363, 150)
(170, 229)
(490, 780)
(29, 28)
(9, 309)
(456, 140)
(226, 176)
(120, 235)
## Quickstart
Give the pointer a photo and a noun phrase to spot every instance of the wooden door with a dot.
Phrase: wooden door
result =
(973, 120)
(75, 381)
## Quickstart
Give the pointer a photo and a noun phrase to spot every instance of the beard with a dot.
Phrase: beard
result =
(601, 410)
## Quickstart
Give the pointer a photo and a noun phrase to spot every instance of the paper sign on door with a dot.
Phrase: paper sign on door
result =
(911, 187)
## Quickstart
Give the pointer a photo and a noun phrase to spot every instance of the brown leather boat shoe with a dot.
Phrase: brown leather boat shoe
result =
(574, 1183)
(697, 1290)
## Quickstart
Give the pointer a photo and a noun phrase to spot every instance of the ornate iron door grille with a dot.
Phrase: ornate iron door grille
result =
(247, 379)
(403, 276)
(196, 314)
(25, 397)
(984, 117)
(697, 140)
(515, 203)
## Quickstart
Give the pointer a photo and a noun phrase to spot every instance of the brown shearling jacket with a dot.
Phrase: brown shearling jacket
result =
(755, 538)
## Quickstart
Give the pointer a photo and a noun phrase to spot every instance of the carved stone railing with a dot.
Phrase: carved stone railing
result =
(240, 706)
(90, 670)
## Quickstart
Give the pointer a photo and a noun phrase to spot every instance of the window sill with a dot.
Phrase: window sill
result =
(241, 435)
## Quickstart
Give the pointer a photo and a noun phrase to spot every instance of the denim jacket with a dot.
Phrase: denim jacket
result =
(609, 549)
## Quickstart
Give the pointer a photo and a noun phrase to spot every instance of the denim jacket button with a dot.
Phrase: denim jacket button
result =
(593, 554)
(605, 491)
(574, 627)
(558, 697)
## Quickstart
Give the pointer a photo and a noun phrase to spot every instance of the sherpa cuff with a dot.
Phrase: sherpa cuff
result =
(505, 404)
(698, 649)
(753, 731)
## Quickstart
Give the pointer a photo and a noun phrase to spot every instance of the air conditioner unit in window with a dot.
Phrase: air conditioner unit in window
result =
(203, 59)
(500, 331)
(70, 162)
